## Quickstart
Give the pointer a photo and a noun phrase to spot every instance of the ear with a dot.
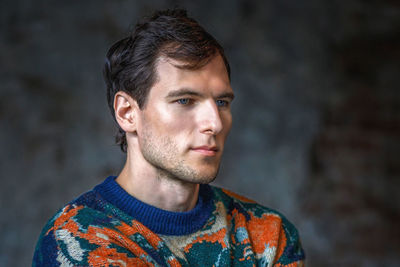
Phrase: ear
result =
(126, 108)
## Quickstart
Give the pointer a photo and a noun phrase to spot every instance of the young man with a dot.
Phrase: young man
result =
(169, 91)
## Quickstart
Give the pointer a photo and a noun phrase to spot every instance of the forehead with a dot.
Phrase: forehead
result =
(171, 74)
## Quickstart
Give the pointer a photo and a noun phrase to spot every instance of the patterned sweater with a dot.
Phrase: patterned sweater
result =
(108, 227)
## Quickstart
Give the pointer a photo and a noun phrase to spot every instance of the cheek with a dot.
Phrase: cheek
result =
(172, 122)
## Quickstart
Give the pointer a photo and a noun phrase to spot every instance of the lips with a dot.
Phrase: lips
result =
(206, 150)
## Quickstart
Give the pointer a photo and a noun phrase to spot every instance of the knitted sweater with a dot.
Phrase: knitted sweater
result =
(108, 227)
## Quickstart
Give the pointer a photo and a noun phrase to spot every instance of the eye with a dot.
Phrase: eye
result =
(183, 101)
(222, 103)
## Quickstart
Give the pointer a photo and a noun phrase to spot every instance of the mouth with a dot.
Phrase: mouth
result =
(206, 150)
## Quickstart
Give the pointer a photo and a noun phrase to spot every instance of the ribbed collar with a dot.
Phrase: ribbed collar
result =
(158, 220)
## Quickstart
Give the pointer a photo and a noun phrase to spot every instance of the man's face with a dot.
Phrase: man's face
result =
(185, 121)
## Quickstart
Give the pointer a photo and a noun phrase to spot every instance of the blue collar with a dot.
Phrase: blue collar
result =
(159, 221)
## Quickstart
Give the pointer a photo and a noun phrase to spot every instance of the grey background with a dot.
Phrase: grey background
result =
(316, 128)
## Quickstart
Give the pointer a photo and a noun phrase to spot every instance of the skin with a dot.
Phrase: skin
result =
(176, 141)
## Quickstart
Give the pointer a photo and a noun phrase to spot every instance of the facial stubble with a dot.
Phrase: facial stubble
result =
(163, 154)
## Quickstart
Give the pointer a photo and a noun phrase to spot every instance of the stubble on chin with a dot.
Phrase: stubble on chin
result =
(163, 156)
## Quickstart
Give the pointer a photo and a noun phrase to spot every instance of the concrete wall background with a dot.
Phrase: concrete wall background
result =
(316, 120)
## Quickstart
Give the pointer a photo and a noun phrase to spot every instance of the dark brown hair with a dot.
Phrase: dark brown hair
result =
(131, 62)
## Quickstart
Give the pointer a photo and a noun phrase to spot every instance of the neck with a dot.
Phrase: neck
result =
(156, 188)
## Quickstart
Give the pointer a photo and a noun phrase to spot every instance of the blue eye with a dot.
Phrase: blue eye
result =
(183, 101)
(222, 103)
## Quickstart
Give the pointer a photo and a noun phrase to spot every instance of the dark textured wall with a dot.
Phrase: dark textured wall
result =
(316, 119)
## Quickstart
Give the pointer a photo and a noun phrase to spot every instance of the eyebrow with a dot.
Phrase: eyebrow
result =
(186, 91)
(182, 92)
(231, 96)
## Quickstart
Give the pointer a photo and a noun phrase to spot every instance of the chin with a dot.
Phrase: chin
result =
(196, 172)
(197, 175)
(206, 180)
(205, 176)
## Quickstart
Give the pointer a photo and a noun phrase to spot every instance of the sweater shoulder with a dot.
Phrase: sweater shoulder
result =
(69, 210)
(89, 231)
(234, 200)
(263, 221)
(69, 234)
(249, 207)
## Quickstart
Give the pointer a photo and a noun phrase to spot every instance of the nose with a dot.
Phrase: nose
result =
(210, 119)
